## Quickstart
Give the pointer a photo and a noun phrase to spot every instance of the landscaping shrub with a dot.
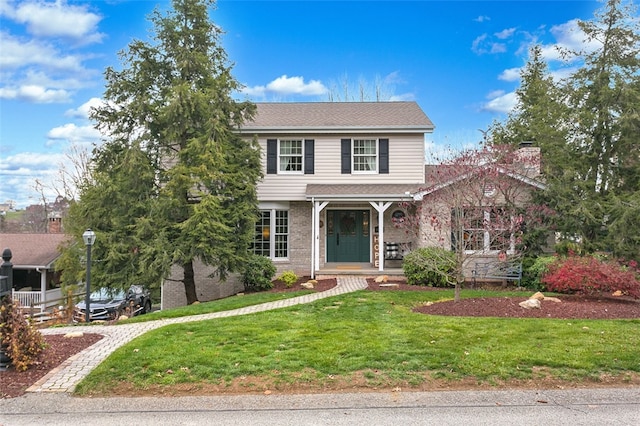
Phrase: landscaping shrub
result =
(432, 266)
(289, 278)
(258, 273)
(590, 275)
(20, 340)
(533, 269)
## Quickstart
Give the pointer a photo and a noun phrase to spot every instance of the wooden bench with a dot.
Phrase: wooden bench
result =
(497, 270)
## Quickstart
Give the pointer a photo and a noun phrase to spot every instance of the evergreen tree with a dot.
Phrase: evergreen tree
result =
(588, 129)
(172, 101)
(603, 101)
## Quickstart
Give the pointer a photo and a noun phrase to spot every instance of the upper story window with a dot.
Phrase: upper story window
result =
(290, 155)
(285, 156)
(365, 155)
(361, 155)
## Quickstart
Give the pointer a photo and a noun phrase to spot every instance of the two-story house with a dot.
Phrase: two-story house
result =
(334, 174)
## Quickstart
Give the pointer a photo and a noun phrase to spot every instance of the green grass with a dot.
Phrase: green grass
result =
(373, 335)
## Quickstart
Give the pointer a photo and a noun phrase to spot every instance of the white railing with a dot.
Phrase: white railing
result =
(27, 299)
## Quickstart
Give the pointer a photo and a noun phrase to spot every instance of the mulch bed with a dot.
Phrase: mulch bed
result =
(59, 348)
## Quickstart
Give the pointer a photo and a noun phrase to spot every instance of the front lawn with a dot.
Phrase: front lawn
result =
(366, 339)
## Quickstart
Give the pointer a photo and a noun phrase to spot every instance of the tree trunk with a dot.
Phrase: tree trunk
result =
(189, 283)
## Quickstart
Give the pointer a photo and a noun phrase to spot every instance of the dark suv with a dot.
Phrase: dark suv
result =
(109, 304)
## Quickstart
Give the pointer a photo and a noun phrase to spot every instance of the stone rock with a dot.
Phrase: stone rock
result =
(73, 334)
(381, 279)
(538, 296)
(314, 282)
(122, 317)
(530, 304)
(617, 293)
(552, 299)
(308, 285)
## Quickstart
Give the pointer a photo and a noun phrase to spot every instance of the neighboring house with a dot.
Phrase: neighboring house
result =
(35, 281)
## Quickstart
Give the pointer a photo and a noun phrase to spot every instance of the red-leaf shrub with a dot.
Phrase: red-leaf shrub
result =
(589, 275)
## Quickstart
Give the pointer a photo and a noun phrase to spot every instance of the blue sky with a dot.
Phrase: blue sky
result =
(459, 60)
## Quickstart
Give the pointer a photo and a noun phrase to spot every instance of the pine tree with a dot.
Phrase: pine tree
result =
(172, 99)
(603, 101)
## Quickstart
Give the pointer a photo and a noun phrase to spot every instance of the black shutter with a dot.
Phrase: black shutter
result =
(308, 156)
(272, 156)
(383, 146)
(346, 156)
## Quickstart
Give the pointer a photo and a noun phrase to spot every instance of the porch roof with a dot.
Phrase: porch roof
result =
(362, 192)
(31, 251)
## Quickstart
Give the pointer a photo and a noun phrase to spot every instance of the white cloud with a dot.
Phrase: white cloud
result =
(57, 19)
(500, 102)
(19, 173)
(498, 48)
(73, 134)
(477, 43)
(35, 94)
(569, 38)
(295, 85)
(18, 53)
(402, 97)
(285, 85)
(82, 112)
(511, 74)
(483, 44)
(482, 18)
(506, 33)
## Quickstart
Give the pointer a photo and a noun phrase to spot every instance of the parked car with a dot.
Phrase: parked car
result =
(109, 304)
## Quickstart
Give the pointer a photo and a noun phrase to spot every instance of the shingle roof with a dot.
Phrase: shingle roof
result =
(32, 250)
(335, 116)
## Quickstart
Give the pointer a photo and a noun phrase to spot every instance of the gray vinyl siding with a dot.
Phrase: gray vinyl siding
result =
(406, 165)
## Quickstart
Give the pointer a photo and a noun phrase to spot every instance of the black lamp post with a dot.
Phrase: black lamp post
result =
(89, 238)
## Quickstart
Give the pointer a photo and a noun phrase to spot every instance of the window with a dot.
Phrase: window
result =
(290, 157)
(365, 155)
(482, 229)
(271, 238)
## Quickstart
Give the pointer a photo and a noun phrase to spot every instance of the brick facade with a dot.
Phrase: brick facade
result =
(207, 289)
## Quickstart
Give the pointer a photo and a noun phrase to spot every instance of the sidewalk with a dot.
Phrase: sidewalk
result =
(65, 377)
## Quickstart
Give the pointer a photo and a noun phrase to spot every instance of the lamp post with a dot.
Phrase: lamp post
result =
(89, 238)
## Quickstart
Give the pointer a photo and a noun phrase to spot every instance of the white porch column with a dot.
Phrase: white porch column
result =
(315, 235)
(380, 207)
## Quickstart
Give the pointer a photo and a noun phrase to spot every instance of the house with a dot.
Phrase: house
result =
(35, 281)
(336, 178)
(333, 174)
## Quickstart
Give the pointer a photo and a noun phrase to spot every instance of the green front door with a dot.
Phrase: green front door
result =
(348, 236)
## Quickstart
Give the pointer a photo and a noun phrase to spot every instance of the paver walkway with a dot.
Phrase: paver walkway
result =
(69, 373)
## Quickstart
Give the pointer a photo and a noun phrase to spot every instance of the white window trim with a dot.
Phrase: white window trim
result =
(486, 241)
(353, 156)
(272, 209)
(290, 172)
